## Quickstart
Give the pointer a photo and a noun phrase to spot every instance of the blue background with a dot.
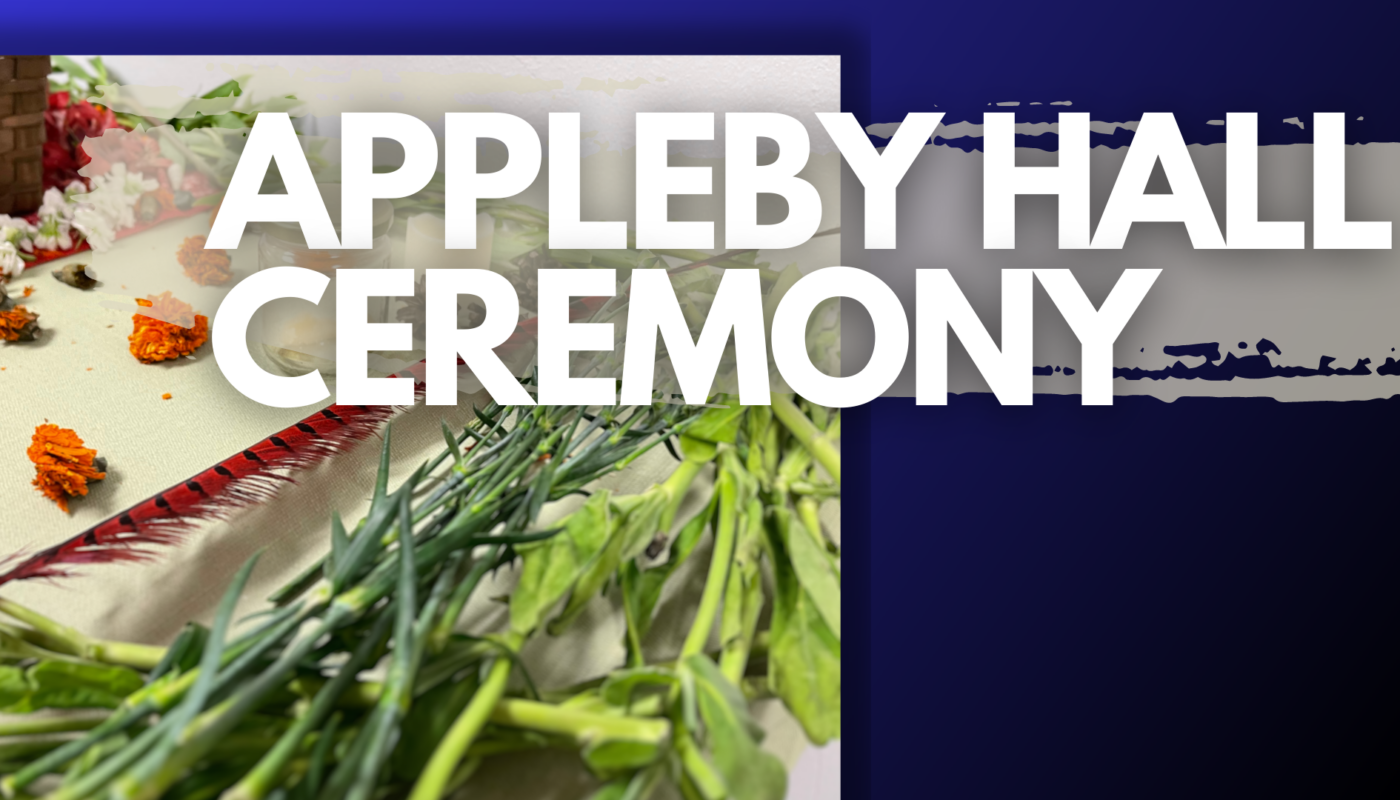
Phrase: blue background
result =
(1191, 599)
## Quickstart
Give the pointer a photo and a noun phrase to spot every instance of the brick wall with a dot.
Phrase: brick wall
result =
(24, 90)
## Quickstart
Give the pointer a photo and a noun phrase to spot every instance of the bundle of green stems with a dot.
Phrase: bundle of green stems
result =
(292, 705)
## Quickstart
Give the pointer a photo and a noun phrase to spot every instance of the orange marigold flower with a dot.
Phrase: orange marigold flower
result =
(19, 324)
(175, 330)
(28, 290)
(166, 198)
(63, 464)
(204, 267)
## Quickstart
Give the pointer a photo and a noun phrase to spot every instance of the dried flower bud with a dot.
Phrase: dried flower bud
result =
(174, 331)
(76, 275)
(19, 324)
(204, 267)
(148, 209)
(63, 465)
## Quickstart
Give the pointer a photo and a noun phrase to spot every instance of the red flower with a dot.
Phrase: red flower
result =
(85, 119)
(67, 124)
(59, 167)
(58, 157)
(56, 125)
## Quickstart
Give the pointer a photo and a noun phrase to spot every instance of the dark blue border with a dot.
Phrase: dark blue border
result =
(1153, 600)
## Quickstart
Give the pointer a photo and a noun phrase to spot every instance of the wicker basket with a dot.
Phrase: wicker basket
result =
(24, 92)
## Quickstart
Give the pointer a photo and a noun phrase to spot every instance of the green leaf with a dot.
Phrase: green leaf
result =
(612, 755)
(225, 89)
(730, 735)
(14, 687)
(184, 653)
(596, 575)
(708, 679)
(340, 544)
(452, 444)
(718, 424)
(697, 449)
(383, 510)
(85, 763)
(539, 491)
(102, 77)
(310, 785)
(814, 569)
(72, 68)
(643, 588)
(194, 701)
(690, 708)
(640, 525)
(804, 654)
(553, 567)
(68, 684)
(622, 686)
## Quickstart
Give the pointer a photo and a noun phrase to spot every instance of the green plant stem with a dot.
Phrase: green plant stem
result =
(743, 574)
(63, 639)
(706, 781)
(723, 554)
(264, 777)
(489, 507)
(103, 773)
(28, 726)
(582, 726)
(438, 772)
(677, 484)
(209, 728)
(437, 639)
(635, 657)
(807, 509)
(822, 448)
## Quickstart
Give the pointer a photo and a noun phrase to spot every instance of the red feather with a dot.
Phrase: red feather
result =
(245, 479)
(252, 476)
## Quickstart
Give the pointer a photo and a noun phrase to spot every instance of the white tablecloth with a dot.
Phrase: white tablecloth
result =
(81, 376)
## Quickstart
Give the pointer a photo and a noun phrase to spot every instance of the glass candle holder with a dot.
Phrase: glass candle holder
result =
(296, 336)
(425, 248)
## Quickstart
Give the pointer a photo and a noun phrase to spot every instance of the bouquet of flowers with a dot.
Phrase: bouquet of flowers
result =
(67, 123)
(107, 173)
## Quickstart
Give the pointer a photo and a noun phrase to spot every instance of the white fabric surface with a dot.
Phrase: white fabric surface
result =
(151, 443)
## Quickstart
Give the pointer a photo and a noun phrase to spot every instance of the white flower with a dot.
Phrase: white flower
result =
(96, 226)
(56, 205)
(17, 232)
(53, 233)
(137, 185)
(11, 265)
(110, 205)
(18, 223)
